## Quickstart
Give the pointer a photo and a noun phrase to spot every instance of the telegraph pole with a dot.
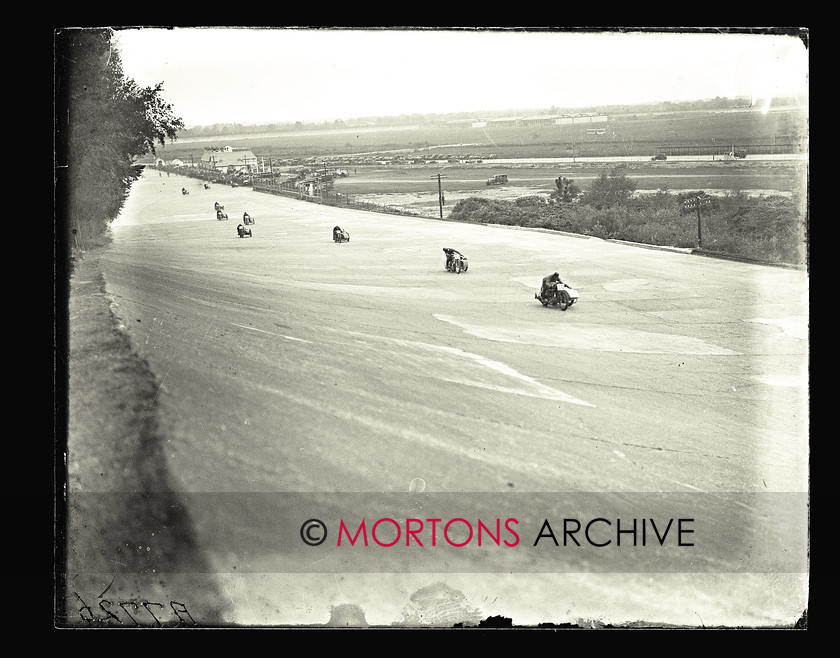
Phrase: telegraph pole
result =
(440, 193)
(699, 227)
(697, 203)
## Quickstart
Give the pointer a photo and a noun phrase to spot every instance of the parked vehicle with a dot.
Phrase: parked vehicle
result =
(498, 179)
(735, 154)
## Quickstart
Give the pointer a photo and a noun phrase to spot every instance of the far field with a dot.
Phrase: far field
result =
(415, 187)
(628, 132)
(634, 135)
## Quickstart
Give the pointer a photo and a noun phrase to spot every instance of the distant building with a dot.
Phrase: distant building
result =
(160, 162)
(538, 120)
(518, 121)
(228, 160)
(581, 118)
(504, 121)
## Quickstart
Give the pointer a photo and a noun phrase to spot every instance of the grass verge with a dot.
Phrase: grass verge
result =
(126, 551)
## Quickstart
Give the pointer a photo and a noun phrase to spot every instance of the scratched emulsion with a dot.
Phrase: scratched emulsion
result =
(263, 331)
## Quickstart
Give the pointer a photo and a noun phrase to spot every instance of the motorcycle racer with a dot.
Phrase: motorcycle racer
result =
(549, 285)
(450, 256)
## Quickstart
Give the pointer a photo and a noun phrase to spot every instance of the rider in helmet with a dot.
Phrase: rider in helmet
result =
(450, 256)
(549, 285)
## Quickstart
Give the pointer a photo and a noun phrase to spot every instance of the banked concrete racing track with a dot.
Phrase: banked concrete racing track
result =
(303, 379)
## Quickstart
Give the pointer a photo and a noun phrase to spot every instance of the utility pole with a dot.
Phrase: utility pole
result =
(697, 203)
(699, 227)
(440, 193)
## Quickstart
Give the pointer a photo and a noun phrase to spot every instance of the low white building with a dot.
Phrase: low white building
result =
(581, 118)
(229, 160)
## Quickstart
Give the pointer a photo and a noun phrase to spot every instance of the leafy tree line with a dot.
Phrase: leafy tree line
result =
(103, 122)
(768, 229)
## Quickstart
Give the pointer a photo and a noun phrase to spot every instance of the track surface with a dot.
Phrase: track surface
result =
(289, 363)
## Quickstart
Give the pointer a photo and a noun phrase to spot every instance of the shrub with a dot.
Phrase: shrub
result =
(606, 191)
(770, 229)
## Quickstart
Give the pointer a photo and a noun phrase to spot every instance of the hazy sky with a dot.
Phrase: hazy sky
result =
(227, 75)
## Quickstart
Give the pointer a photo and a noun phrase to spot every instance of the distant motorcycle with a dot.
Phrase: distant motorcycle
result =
(455, 261)
(563, 295)
(247, 219)
(244, 232)
(340, 235)
(184, 190)
(221, 215)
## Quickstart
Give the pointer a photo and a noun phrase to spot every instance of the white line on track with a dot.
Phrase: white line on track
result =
(593, 337)
(541, 389)
(528, 386)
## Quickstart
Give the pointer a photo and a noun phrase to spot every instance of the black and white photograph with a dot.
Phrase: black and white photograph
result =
(451, 328)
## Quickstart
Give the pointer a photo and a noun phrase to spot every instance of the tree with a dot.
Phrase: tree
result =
(567, 190)
(104, 121)
(612, 190)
